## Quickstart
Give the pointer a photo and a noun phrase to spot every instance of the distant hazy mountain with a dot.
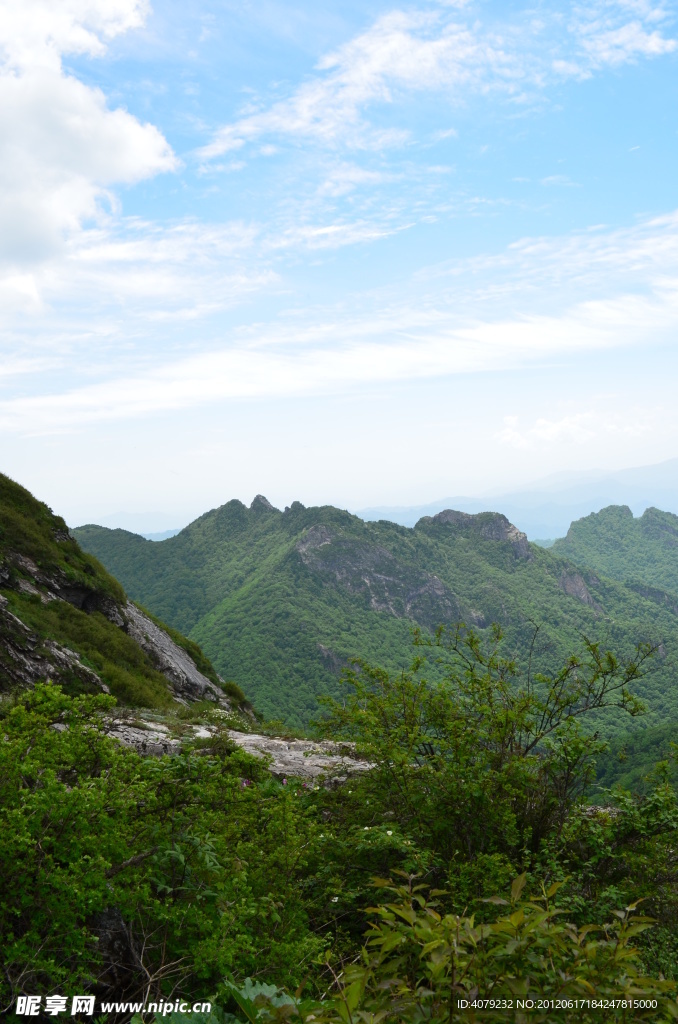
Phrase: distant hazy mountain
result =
(546, 509)
(152, 525)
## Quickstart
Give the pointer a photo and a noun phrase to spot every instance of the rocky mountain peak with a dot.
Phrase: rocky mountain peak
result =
(260, 503)
(487, 525)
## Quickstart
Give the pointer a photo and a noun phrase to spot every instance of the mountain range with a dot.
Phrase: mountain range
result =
(280, 601)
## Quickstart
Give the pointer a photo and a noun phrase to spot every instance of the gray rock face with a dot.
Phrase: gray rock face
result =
(302, 759)
(488, 525)
(316, 537)
(298, 759)
(390, 586)
(51, 587)
(153, 741)
(188, 683)
(24, 660)
(574, 584)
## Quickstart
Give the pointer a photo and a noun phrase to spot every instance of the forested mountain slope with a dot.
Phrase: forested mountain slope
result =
(64, 618)
(281, 600)
(613, 542)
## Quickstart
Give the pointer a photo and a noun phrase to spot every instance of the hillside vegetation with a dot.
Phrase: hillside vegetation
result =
(280, 601)
(64, 617)
(468, 843)
(462, 827)
(642, 551)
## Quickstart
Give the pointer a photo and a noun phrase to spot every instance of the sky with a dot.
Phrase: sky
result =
(357, 254)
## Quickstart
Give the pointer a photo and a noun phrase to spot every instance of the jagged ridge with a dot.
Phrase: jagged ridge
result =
(282, 600)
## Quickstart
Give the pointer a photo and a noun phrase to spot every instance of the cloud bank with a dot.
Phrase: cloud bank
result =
(62, 148)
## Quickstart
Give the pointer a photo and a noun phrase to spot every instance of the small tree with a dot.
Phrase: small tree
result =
(480, 762)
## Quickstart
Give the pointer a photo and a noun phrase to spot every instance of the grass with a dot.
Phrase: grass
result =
(30, 530)
(117, 659)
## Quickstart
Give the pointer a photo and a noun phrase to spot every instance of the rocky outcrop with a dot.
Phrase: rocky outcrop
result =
(302, 759)
(262, 504)
(654, 594)
(574, 584)
(299, 759)
(486, 525)
(175, 664)
(56, 586)
(316, 537)
(389, 586)
(151, 740)
(25, 659)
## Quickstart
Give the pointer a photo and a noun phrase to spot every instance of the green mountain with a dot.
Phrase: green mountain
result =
(613, 542)
(281, 600)
(64, 618)
(642, 553)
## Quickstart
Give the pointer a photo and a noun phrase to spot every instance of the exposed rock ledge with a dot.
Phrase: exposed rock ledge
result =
(301, 759)
(24, 659)
(488, 525)
(153, 741)
(23, 666)
(175, 664)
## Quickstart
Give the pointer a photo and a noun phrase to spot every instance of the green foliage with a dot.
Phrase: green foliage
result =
(631, 757)
(281, 601)
(422, 964)
(201, 860)
(29, 528)
(233, 690)
(38, 559)
(140, 877)
(116, 658)
(620, 852)
(476, 763)
(642, 550)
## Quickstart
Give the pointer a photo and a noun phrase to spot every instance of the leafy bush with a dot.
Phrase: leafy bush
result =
(209, 871)
(420, 964)
(479, 763)
(195, 862)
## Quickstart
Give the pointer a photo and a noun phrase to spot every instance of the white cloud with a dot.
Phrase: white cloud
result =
(38, 32)
(539, 301)
(340, 354)
(579, 428)
(607, 37)
(345, 177)
(559, 179)
(419, 50)
(61, 147)
(434, 50)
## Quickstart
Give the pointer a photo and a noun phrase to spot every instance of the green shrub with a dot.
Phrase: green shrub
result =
(527, 964)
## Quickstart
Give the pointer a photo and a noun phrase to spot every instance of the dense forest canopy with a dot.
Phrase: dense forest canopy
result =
(281, 601)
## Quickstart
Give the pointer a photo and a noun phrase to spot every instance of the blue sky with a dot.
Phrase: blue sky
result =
(359, 254)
